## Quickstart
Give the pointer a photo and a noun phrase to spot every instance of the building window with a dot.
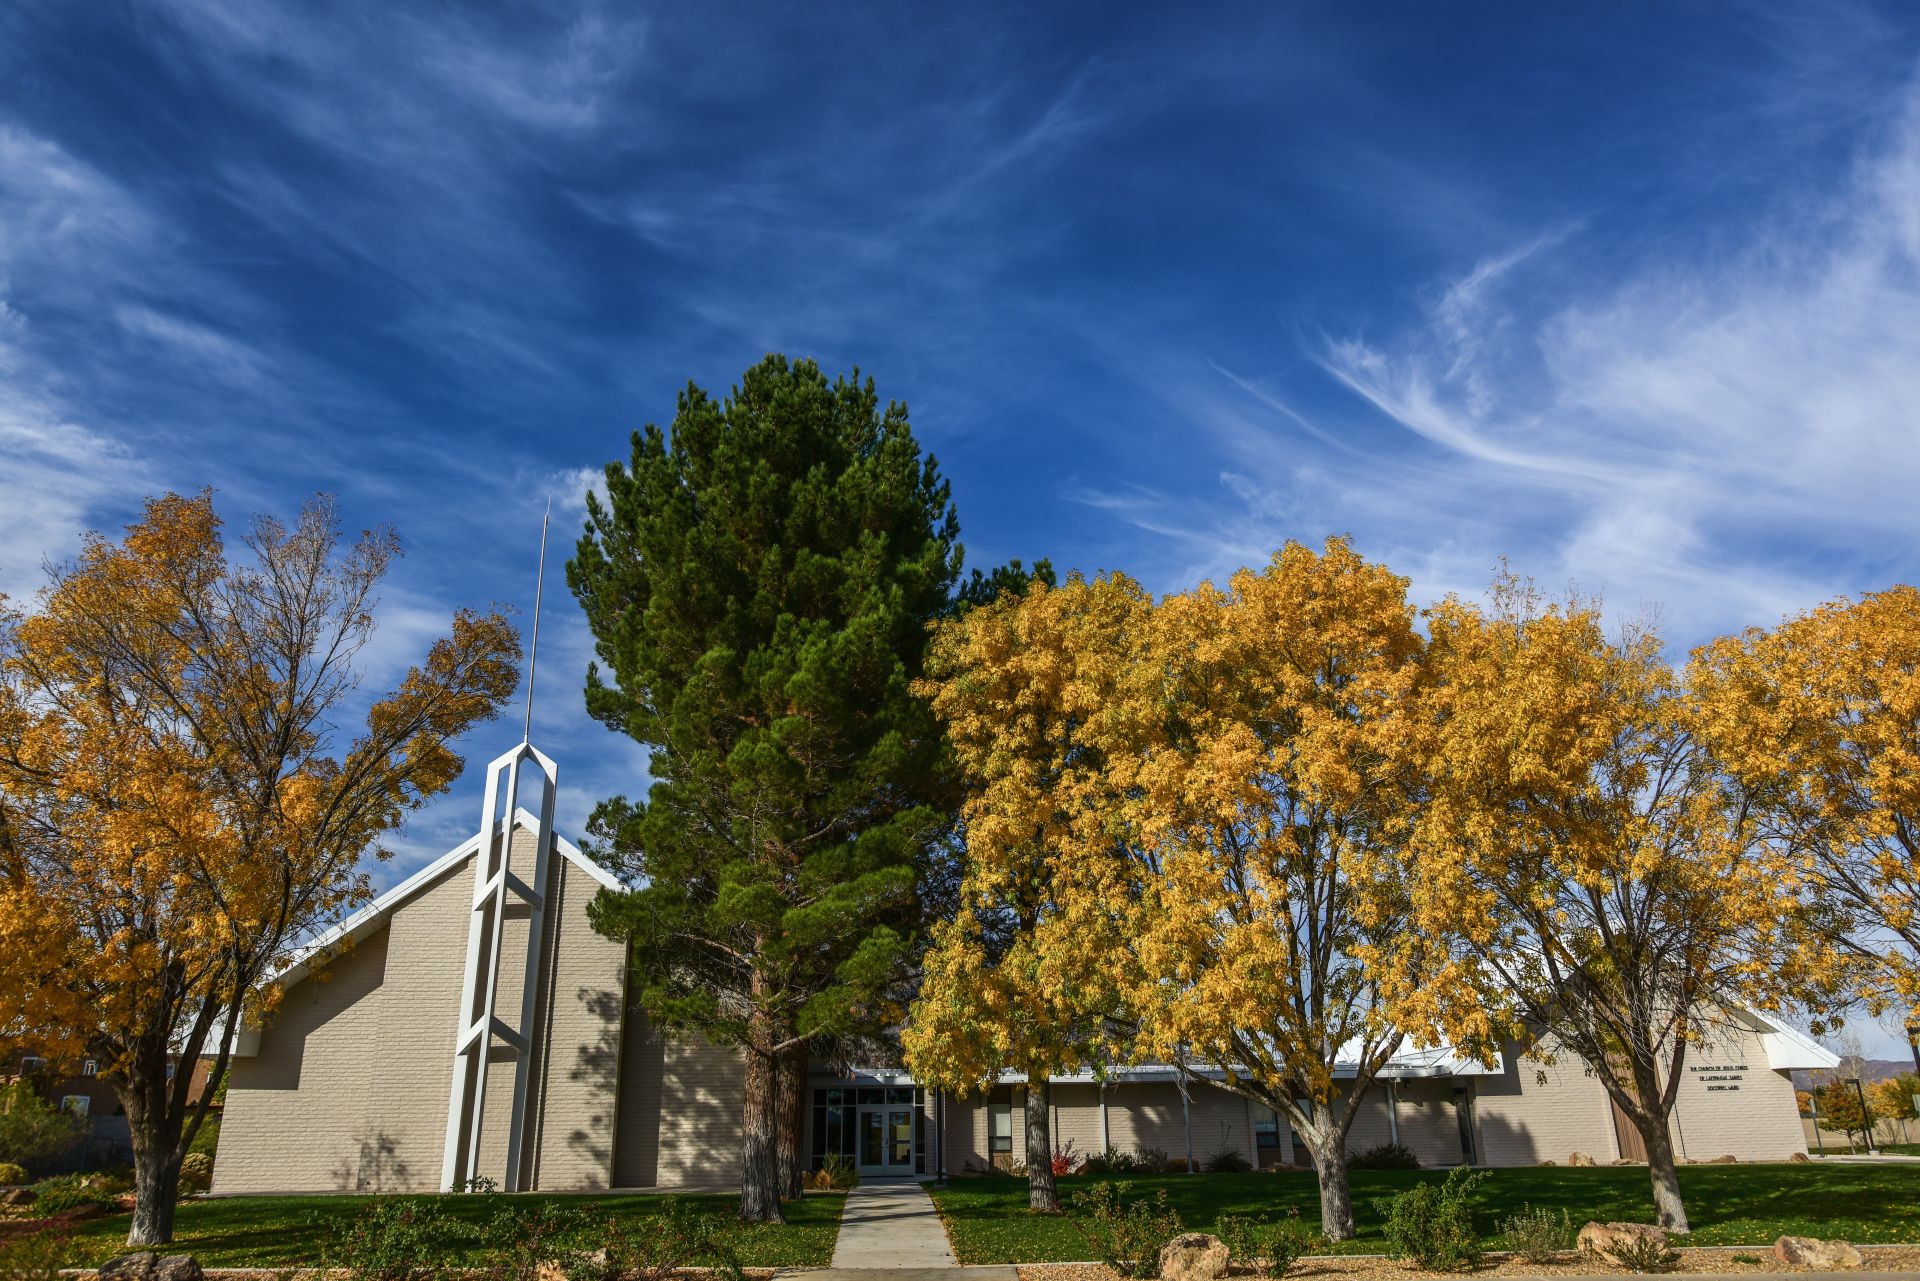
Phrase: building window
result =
(1000, 1127)
(32, 1063)
(78, 1104)
(1266, 1129)
(832, 1124)
(89, 1068)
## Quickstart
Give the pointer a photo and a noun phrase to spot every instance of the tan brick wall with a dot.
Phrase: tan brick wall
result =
(1751, 1115)
(1534, 1111)
(349, 1091)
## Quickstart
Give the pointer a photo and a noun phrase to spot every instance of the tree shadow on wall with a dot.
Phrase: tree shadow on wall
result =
(377, 1169)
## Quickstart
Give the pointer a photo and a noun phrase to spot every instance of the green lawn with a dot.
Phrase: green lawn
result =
(287, 1231)
(988, 1220)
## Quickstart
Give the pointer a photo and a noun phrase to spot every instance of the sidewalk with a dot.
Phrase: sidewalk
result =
(892, 1229)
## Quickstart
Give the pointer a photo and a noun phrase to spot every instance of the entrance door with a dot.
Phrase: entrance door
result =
(1632, 1146)
(886, 1140)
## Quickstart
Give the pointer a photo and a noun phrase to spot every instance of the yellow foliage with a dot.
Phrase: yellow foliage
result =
(173, 822)
(1818, 721)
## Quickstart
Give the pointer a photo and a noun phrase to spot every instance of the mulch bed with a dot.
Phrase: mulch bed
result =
(1377, 1267)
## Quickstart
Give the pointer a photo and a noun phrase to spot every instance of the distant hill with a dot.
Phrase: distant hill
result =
(1870, 1070)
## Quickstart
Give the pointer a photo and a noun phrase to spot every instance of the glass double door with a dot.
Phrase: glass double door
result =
(886, 1140)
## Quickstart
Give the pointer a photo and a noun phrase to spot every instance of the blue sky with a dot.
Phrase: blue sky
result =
(1630, 296)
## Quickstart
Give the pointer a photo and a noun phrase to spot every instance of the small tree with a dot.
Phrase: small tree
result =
(175, 817)
(32, 1129)
(1894, 1099)
(1841, 1109)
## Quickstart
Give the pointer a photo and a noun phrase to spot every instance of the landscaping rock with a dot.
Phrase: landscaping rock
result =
(1724, 1160)
(1547, 1164)
(1799, 1158)
(1623, 1160)
(178, 1267)
(1821, 1256)
(1580, 1160)
(1193, 1256)
(130, 1267)
(19, 1196)
(1604, 1239)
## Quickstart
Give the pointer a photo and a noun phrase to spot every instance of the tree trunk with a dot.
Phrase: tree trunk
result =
(1669, 1211)
(760, 1124)
(792, 1074)
(1327, 1141)
(156, 1191)
(1042, 1196)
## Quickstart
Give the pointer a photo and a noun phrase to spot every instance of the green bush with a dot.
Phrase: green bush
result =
(1227, 1161)
(207, 1137)
(196, 1172)
(1537, 1234)
(1431, 1225)
(1112, 1161)
(66, 1192)
(522, 1241)
(32, 1129)
(655, 1249)
(1125, 1233)
(393, 1239)
(1388, 1156)
(11, 1175)
(1152, 1161)
(1270, 1247)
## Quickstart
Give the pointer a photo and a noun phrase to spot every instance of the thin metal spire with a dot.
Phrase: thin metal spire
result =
(533, 650)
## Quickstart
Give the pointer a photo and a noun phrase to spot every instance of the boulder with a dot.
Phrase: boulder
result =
(1798, 1158)
(1623, 1160)
(1547, 1164)
(1579, 1160)
(130, 1267)
(1604, 1239)
(1193, 1256)
(1820, 1256)
(1724, 1160)
(178, 1267)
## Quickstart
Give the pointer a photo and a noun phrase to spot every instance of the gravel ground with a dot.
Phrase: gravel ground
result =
(1377, 1267)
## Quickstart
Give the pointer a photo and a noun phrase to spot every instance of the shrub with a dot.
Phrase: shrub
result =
(1125, 1233)
(1431, 1225)
(1645, 1255)
(525, 1242)
(652, 1249)
(1538, 1234)
(196, 1172)
(393, 1239)
(1227, 1161)
(837, 1173)
(1270, 1247)
(32, 1129)
(11, 1175)
(1151, 1161)
(207, 1137)
(37, 1256)
(66, 1192)
(1065, 1160)
(1388, 1156)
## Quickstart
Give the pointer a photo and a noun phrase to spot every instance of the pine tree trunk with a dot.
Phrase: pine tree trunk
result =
(1669, 1211)
(792, 1080)
(760, 1125)
(1042, 1196)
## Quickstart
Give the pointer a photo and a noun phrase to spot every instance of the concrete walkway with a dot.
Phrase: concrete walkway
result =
(892, 1227)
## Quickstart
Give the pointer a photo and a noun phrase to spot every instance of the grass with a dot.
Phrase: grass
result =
(291, 1231)
(988, 1221)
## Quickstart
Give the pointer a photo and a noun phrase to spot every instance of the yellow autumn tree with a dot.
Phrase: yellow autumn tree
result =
(1578, 844)
(1818, 721)
(177, 815)
(1028, 687)
(1272, 938)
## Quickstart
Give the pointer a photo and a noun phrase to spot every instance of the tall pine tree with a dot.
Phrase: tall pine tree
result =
(760, 583)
